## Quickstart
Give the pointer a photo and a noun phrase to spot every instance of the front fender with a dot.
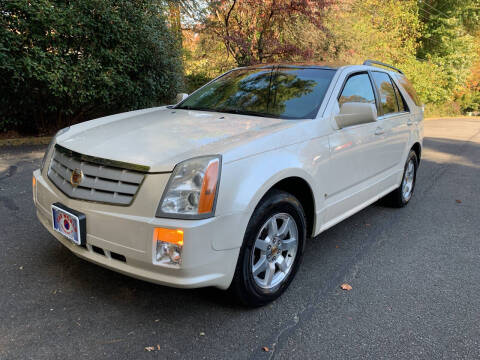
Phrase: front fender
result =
(244, 182)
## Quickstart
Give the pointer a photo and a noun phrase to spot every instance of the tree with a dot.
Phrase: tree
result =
(448, 39)
(469, 95)
(204, 57)
(385, 30)
(432, 41)
(64, 61)
(254, 31)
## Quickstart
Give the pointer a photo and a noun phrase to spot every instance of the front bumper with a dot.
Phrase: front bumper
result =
(128, 231)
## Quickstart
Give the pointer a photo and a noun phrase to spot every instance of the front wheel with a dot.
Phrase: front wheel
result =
(272, 249)
(402, 195)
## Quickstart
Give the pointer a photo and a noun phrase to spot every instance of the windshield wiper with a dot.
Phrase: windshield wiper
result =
(247, 112)
(235, 111)
(197, 108)
(250, 112)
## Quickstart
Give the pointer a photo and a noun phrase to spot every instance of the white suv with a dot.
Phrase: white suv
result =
(224, 188)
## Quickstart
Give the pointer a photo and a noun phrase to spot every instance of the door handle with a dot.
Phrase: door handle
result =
(409, 122)
(379, 131)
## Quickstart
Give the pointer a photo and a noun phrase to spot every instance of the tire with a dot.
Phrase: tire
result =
(269, 259)
(399, 197)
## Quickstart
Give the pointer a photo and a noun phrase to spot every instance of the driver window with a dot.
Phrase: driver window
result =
(358, 88)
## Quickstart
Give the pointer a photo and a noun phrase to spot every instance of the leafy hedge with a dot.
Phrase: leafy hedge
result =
(63, 61)
(195, 81)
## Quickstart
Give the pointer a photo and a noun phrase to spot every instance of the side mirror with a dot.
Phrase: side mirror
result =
(354, 113)
(180, 97)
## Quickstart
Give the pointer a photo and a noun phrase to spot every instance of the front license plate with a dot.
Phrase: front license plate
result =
(69, 223)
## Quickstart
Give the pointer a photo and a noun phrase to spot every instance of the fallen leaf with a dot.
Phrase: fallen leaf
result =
(346, 286)
(266, 349)
(336, 246)
(149, 348)
(458, 201)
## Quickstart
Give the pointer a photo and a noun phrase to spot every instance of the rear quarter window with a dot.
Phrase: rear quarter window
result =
(407, 85)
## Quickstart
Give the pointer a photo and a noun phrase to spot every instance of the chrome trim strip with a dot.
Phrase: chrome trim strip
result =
(101, 161)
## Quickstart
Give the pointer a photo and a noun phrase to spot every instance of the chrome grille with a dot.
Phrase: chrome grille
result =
(101, 183)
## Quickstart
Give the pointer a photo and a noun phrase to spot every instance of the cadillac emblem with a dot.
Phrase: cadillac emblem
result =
(76, 178)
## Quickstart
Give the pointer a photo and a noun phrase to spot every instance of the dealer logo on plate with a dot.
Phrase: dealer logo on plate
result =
(66, 223)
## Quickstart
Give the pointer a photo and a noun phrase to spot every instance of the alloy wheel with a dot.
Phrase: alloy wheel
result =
(274, 251)
(407, 183)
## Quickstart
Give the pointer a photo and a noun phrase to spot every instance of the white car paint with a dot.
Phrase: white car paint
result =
(346, 169)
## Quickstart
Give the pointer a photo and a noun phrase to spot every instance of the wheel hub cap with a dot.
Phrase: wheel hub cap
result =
(408, 178)
(274, 251)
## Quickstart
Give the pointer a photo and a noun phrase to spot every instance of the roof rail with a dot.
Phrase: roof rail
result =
(374, 62)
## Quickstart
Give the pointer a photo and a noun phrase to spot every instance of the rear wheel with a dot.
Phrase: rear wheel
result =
(272, 250)
(402, 195)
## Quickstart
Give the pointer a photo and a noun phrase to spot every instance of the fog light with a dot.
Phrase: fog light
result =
(168, 246)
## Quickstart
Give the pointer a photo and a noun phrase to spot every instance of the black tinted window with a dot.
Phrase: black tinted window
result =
(358, 88)
(388, 100)
(402, 105)
(292, 93)
(407, 85)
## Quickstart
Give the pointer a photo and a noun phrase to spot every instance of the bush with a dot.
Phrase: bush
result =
(66, 61)
(470, 102)
(195, 81)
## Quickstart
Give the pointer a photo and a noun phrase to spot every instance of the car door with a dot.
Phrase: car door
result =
(394, 121)
(353, 161)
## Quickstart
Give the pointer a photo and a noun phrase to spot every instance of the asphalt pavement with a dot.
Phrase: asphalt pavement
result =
(414, 272)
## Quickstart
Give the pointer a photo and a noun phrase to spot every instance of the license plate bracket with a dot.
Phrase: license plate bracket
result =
(70, 223)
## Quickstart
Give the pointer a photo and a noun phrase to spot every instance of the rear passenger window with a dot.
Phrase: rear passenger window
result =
(358, 88)
(388, 100)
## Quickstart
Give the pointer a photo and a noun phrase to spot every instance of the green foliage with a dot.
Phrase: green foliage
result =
(429, 80)
(385, 30)
(449, 108)
(470, 102)
(205, 57)
(195, 81)
(64, 61)
(447, 45)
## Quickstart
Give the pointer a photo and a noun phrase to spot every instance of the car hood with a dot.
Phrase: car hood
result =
(161, 137)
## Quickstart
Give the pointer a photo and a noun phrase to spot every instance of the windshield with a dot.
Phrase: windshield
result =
(289, 93)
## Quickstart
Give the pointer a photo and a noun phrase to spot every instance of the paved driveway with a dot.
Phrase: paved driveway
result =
(415, 274)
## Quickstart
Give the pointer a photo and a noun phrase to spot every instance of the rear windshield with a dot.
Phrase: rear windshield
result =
(407, 85)
(289, 93)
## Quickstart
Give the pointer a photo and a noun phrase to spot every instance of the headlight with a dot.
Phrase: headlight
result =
(50, 145)
(191, 191)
